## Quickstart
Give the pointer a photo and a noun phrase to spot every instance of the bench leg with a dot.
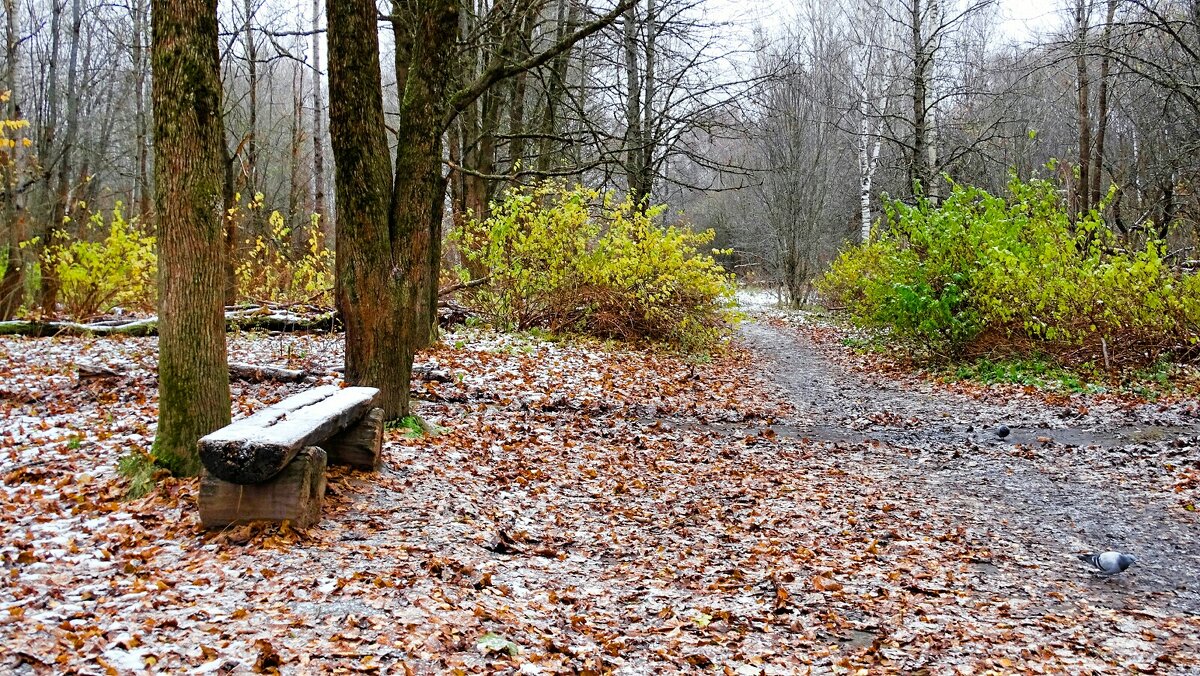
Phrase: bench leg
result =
(294, 495)
(360, 446)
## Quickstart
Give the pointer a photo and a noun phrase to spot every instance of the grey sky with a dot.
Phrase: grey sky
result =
(1021, 19)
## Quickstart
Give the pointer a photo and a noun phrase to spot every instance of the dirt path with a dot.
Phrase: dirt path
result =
(1097, 479)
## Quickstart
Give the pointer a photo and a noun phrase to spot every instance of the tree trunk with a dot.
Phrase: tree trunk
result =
(555, 88)
(419, 190)
(144, 190)
(1083, 116)
(1102, 105)
(62, 193)
(633, 106)
(189, 177)
(298, 197)
(45, 150)
(868, 159)
(649, 118)
(251, 170)
(933, 42)
(318, 135)
(12, 284)
(922, 57)
(369, 282)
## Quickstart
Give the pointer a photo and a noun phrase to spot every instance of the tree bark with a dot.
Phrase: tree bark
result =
(251, 170)
(298, 197)
(189, 177)
(868, 158)
(419, 189)
(1102, 107)
(12, 283)
(62, 193)
(144, 189)
(633, 108)
(922, 171)
(1083, 115)
(369, 281)
(555, 88)
(318, 134)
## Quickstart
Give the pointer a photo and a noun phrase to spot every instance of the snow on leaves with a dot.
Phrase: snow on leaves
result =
(581, 508)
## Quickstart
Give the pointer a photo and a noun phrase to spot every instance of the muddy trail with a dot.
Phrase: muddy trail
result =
(1067, 479)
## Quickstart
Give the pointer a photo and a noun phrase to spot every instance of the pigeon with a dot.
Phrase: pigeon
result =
(1109, 563)
(1002, 431)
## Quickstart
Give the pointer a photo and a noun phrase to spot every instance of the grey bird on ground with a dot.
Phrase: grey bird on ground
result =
(1002, 431)
(1109, 563)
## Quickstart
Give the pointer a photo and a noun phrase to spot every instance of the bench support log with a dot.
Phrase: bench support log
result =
(254, 449)
(361, 445)
(294, 495)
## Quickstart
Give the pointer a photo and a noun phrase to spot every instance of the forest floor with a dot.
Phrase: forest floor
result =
(788, 506)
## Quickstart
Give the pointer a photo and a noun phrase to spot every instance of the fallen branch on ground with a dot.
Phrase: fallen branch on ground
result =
(253, 373)
(258, 318)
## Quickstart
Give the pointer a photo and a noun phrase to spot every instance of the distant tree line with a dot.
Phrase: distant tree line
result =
(871, 98)
(382, 124)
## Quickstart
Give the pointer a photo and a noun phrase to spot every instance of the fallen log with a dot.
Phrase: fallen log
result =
(254, 373)
(246, 320)
(140, 327)
(254, 449)
(96, 372)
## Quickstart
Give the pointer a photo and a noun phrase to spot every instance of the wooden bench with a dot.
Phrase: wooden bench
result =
(271, 465)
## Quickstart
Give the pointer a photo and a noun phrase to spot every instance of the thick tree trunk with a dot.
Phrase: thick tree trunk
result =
(370, 284)
(419, 190)
(186, 95)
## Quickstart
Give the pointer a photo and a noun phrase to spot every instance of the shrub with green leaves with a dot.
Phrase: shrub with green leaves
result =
(1015, 272)
(576, 260)
(107, 265)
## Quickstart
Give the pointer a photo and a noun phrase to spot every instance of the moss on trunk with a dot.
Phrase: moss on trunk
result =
(192, 373)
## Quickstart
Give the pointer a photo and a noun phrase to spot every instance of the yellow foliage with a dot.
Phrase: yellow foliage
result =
(269, 270)
(110, 264)
(573, 259)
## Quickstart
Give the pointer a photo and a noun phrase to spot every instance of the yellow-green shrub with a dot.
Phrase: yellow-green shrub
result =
(1016, 271)
(573, 259)
(106, 265)
(269, 268)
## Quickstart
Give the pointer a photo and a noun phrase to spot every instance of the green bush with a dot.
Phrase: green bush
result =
(107, 265)
(985, 272)
(555, 261)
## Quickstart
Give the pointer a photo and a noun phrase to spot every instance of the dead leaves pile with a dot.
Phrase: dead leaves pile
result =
(581, 509)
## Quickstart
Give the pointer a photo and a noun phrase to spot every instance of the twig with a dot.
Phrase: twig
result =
(464, 285)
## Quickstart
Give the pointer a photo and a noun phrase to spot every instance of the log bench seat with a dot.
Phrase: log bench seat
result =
(271, 466)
